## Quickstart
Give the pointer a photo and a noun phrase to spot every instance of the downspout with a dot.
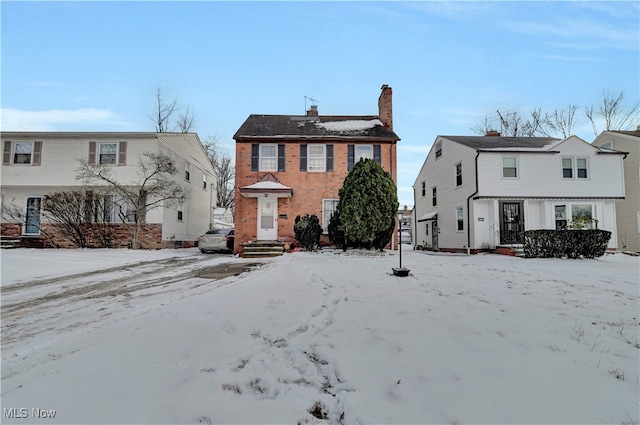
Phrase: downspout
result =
(414, 219)
(469, 203)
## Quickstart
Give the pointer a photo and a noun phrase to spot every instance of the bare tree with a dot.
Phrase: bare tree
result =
(615, 115)
(224, 172)
(512, 124)
(560, 122)
(186, 121)
(154, 188)
(164, 111)
(79, 213)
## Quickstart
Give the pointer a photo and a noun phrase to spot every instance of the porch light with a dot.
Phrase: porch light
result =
(400, 271)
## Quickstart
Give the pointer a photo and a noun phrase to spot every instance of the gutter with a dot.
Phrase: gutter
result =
(469, 203)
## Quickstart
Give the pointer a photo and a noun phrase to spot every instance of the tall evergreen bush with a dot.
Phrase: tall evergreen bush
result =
(365, 215)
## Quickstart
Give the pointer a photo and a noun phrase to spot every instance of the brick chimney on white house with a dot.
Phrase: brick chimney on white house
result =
(385, 107)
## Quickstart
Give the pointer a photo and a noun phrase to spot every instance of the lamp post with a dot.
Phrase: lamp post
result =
(400, 271)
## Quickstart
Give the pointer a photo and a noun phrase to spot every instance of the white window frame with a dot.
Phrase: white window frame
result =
(458, 166)
(515, 167)
(424, 188)
(560, 217)
(14, 153)
(26, 205)
(434, 196)
(99, 153)
(187, 171)
(459, 219)
(359, 155)
(262, 158)
(316, 161)
(586, 168)
(326, 212)
(117, 205)
(438, 149)
(569, 168)
(204, 181)
(591, 214)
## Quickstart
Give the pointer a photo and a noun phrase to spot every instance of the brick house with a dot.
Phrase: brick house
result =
(36, 164)
(290, 165)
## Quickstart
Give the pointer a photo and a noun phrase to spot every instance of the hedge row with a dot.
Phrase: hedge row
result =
(566, 243)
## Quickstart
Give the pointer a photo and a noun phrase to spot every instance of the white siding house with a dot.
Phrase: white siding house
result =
(627, 210)
(481, 192)
(39, 163)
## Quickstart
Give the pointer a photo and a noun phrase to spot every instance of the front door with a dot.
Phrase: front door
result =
(434, 234)
(267, 219)
(32, 219)
(511, 223)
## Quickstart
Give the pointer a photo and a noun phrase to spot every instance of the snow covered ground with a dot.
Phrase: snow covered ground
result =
(118, 336)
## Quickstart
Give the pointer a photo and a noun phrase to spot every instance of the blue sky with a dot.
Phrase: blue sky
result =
(95, 66)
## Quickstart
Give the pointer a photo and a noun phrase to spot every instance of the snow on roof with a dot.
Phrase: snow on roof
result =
(349, 125)
(266, 185)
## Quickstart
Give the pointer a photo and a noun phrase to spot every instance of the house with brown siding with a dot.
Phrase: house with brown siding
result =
(36, 164)
(290, 165)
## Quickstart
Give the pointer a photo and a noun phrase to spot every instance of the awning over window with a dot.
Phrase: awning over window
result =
(429, 216)
(265, 186)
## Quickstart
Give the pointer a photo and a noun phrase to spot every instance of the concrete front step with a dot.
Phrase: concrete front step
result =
(9, 242)
(262, 249)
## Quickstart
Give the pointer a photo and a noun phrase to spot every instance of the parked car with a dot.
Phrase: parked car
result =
(405, 237)
(216, 240)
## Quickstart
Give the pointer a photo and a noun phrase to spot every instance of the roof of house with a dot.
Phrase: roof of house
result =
(484, 142)
(321, 127)
(634, 133)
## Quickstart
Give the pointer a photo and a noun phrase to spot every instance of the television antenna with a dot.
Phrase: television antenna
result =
(312, 100)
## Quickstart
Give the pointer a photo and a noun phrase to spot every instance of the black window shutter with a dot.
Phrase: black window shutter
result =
(281, 158)
(329, 158)
(254, 156)
(350, 157)
(377, 155)
(303, 157)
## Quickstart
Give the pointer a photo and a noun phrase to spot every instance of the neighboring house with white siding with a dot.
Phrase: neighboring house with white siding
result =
(480, 193)
(39, 163)
(627, 210)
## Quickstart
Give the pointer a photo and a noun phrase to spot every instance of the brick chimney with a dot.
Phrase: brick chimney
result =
(385, 107)
(492, 133)
(313, 111)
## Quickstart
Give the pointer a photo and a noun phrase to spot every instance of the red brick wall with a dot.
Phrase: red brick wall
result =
(309, 188)
(150, 236)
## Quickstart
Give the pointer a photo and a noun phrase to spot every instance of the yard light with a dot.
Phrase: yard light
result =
(400, 271)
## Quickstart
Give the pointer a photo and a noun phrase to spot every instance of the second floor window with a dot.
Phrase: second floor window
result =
(581, 166)
(459, 174)
(509, 167)
(434, 196)
(22, 152)
(580, 171)
(316, 158)
(567, 168)
(187, 171)
(107, 153)
(268, 157)
(424, 189)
